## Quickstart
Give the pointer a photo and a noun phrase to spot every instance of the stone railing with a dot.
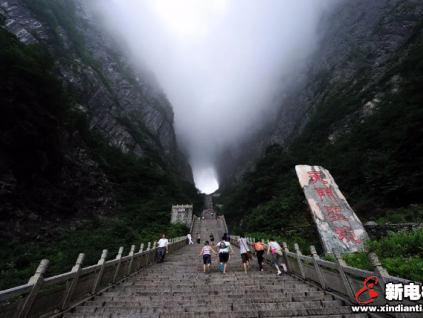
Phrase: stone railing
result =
(192, 224)
(342, 280)
(42, 296)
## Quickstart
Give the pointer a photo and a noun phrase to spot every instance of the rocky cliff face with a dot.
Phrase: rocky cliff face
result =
(360, 41)
(123, 103)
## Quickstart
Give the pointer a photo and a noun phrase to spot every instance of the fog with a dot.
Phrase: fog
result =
(220, 62)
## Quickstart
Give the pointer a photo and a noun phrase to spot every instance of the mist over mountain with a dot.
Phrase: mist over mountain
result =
(111, 109)
(224, 65)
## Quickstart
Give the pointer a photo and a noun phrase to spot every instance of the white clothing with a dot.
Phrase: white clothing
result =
(243, 245)
(163, 242)
(223, 250)
(189, 239)
(274, 245)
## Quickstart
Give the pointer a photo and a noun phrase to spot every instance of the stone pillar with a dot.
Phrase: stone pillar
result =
(340, 266)
(337, 224)
(102, 263)
(119, 258)
(131, 261)
(300, 262)
(71, 287)
(37, 281)
(317, 267)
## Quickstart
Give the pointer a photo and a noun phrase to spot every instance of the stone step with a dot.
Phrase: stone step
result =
(200, 307)
(203, 315)
(218, 279)
(119, 297)
(211, 301)
(175, 292)
(178, 288)
(266, 310)
(216, 291)
(322, 312)
(100, 300)
(221, 286)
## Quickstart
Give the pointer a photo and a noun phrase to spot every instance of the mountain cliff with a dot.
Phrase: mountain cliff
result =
(354, 108)
(360, 43)
(66, 166)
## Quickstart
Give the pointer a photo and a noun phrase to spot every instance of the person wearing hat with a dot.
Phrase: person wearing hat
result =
(206, 252)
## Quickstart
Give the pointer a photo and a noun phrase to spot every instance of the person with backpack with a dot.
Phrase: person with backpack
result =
(224, 248)
(205, 251)
(245, 251)
(259, 247)
(276, 252)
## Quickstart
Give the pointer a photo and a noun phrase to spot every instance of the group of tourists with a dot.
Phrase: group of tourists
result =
(225, 250)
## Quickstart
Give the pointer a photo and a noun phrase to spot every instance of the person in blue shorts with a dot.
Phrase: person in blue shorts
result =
(206, 252)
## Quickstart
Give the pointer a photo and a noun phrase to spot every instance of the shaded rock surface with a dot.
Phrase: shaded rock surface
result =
(123, 102)
(360, 41)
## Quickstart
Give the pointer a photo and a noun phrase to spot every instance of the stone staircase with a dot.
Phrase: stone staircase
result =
(178, 288)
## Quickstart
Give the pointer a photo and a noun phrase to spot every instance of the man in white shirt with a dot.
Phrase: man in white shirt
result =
(189, 239)
(163, 247)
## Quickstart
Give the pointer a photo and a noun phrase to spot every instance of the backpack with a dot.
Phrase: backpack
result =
(222, 245)
(258, 246)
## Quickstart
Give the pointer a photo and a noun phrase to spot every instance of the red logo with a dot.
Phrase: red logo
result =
(368, 287)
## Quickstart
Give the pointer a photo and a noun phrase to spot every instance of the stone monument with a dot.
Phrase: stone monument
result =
(182, 214)
(338, 226)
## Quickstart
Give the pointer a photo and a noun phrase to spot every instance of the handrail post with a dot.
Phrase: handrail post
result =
(286, 250)
(140, 256)
(76, 269)
(131, 253)
(147, 257)
(381, 273)
(154, 252)
(119, 258)
(37, 281)
(300, 262)
(317, 267)
(101, 262)
(340, 264)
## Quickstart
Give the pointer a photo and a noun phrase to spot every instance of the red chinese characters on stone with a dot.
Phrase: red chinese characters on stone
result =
(335, 213)
(325, 192)
(316, 176)
(346, 232)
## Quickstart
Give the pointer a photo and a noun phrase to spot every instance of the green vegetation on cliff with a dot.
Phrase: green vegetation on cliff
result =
(376, 163)
(36, 113)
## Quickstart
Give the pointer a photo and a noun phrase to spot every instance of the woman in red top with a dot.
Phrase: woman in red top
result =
(259, 247)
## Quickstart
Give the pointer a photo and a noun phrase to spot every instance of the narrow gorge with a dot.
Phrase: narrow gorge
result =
(96, 141)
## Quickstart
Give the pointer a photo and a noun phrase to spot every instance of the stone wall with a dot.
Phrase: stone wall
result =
(376, 232)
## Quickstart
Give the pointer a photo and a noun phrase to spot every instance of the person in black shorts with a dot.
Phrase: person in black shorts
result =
(212, 239)
(224, 248)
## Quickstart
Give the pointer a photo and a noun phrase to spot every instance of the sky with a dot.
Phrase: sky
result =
(221, 63)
